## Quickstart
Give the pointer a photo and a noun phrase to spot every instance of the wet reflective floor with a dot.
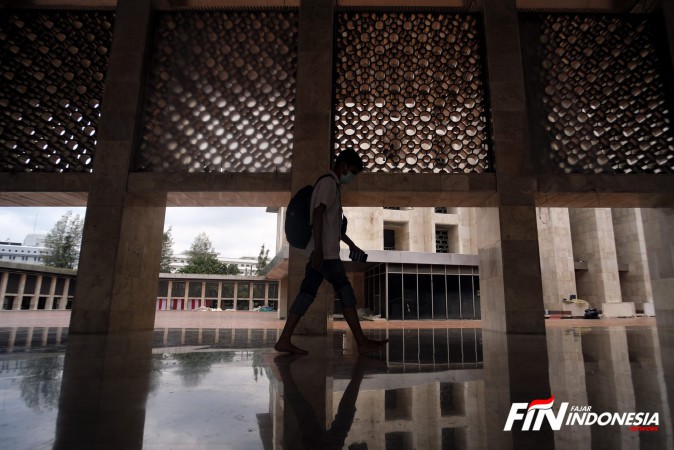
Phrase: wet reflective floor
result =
(432, 388)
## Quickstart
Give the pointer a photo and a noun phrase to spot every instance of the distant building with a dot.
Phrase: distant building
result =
(247, 264)
(31, 251)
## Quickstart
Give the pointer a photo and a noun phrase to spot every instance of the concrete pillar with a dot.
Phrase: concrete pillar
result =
(169, 292)
(594, 243)
(18, 300)
(4, 280)
(467, 230)
(510, 276)
(52, 290)
(219, 295)
(282, 309)
(557, 266)
(659, 235)
(36, 294)
(313, 135)
(123, 232)
(635, 279)
(63, 299)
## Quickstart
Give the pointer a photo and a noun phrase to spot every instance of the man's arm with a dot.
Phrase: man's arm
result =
(347, 240)
(317, 231)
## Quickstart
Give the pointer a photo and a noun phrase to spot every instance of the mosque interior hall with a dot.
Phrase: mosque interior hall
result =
(517, 204)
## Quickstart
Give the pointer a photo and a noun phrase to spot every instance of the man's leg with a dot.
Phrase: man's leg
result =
(283, 344)
(333, 271)
(308, 289)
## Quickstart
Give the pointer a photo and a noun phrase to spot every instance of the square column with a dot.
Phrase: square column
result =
(557, 266)
(659, 235)
(510, 273)
(122, 238)
(594, 243)
(312, 143)
(635, 278)
(35, 299)
(18, 299)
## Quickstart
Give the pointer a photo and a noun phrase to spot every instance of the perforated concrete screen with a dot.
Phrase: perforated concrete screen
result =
(409, 92)
(602, 93)
(53, 71)
(221, 93)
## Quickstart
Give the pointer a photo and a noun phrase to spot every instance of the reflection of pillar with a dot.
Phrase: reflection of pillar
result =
(45, 336)
(4, 279)
(18, 300)
(609, 384)
(29, 337)
(510, 272)
(52, 291)
(11, 339)
(474, 404)
(649, 383)
(106, 379)
(567, 382)
(35, 299)
(659, 236)
(305, 394)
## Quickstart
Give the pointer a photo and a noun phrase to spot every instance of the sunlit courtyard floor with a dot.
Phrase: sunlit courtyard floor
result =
(206, 380)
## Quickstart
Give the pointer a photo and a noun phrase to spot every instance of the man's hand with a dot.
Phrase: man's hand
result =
(354, 247)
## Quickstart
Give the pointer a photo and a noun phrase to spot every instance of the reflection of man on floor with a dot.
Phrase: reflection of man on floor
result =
(314, 435)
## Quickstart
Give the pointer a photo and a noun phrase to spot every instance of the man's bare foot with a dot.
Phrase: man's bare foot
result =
(370, 345)
(287, 347)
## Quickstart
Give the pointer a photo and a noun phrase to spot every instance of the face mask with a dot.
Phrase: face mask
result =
(346, 178)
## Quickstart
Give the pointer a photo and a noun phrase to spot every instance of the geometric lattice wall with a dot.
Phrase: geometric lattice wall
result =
(441, 241)
(221, 93)
(409, 93)
(53, 72)
(602, 92)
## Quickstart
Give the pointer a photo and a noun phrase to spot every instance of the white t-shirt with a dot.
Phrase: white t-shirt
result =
(326, 192)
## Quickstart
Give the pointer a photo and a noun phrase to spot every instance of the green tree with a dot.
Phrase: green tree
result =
(262, 260)
(201, 258)
(63, 242)
(231, 269)
(166, 252)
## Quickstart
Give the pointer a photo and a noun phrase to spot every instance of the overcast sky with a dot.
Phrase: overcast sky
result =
(234, 232)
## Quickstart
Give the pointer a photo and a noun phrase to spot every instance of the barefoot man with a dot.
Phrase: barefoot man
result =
(323, 250)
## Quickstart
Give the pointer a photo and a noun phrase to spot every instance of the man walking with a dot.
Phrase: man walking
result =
(324, 262)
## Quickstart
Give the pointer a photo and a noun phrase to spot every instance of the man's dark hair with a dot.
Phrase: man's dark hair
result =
(350, 158)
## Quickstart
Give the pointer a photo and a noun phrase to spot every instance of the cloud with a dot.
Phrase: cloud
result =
(234, 232)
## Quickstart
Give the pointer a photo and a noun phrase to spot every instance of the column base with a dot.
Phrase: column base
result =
(624, 309)
(649, 309)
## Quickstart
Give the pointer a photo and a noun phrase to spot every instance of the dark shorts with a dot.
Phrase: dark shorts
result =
(333, 271)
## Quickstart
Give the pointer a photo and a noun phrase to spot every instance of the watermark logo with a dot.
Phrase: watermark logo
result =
(533, 414)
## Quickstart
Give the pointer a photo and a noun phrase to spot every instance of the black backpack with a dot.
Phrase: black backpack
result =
(297, 226)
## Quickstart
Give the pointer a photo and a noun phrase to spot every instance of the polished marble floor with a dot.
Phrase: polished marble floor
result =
(432, 388)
